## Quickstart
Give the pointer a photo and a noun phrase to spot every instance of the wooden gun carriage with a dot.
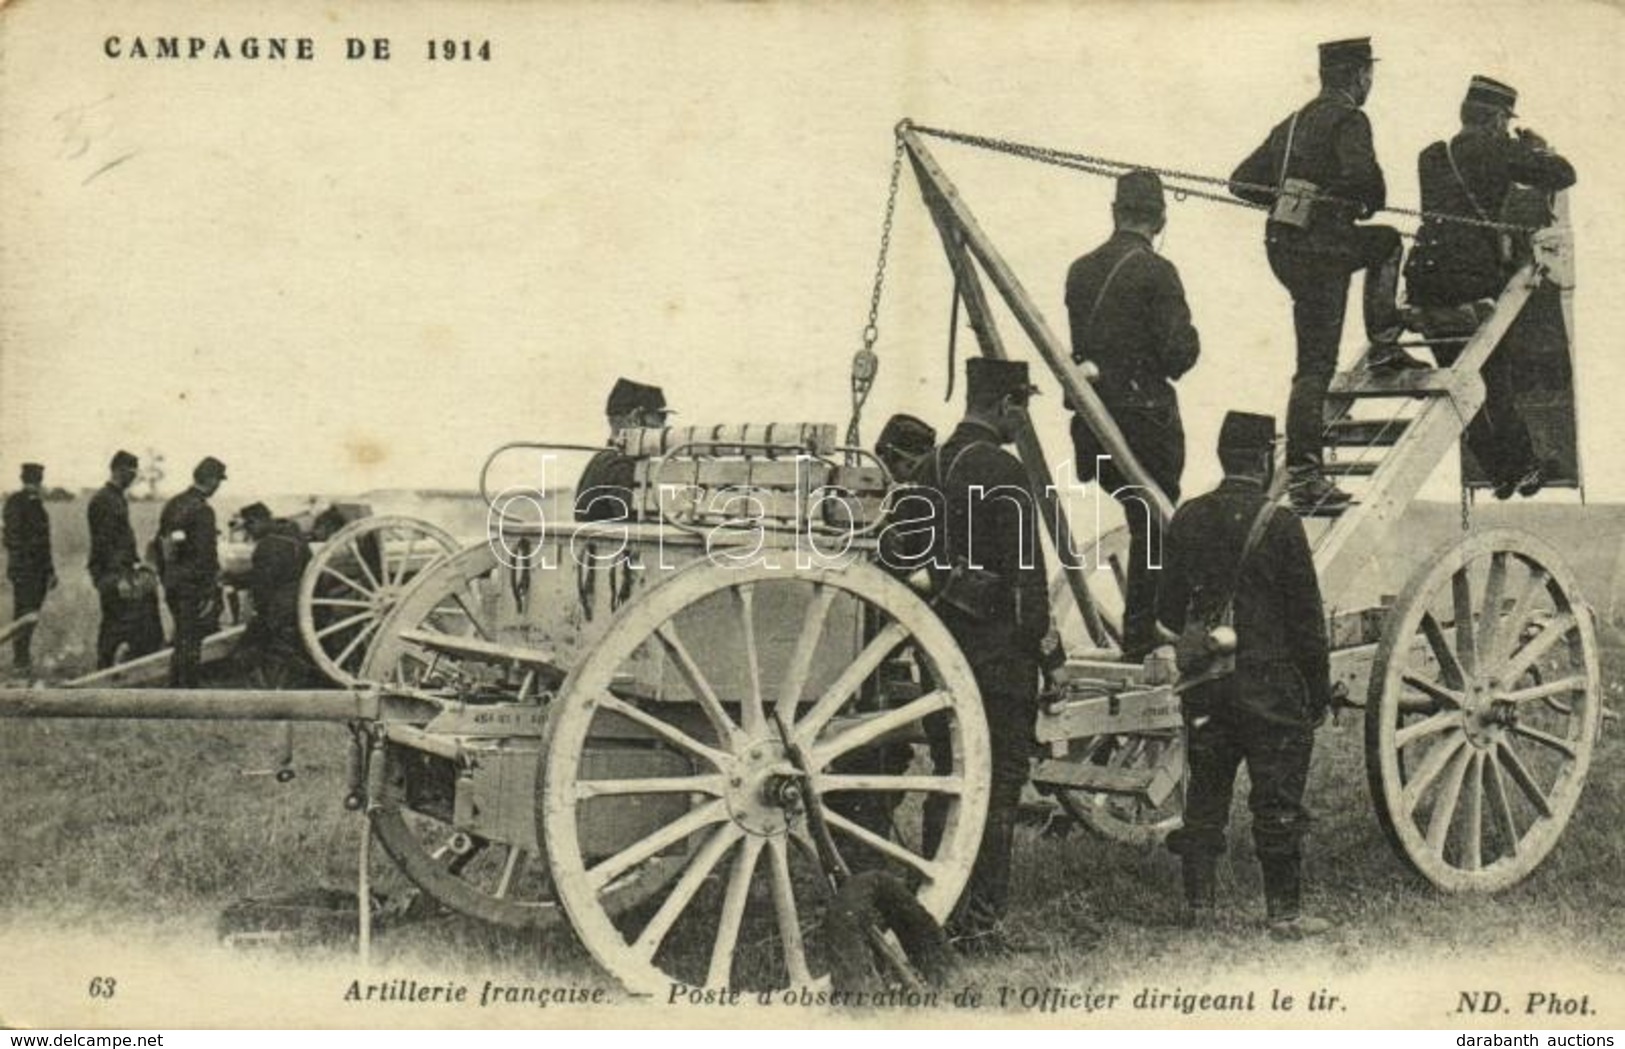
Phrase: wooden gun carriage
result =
(630, 725)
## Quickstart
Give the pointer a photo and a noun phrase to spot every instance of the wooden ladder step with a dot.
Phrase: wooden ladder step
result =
(1323, 511)
(1100, 779)
(1432, 383)
(1365, 433)
(1351, 467)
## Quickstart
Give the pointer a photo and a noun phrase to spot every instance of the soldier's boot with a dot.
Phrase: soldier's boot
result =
(1312, 490)
(1283, 896)
(1198, 874)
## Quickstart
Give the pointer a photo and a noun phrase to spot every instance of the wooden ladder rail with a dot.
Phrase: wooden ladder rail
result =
(1454, 395)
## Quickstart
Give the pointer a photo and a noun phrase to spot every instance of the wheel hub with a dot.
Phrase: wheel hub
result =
(763, 789)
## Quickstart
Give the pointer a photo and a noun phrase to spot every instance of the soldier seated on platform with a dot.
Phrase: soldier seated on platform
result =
(272, 642)
(605, 491)
(1458, 269)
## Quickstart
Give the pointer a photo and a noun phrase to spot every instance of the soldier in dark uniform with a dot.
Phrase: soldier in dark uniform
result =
(189, 553)
(606, 489)
(29, 565)
(1000, 616)
(1129, 317)
(127, 590)
(1266, 712)
(1456, 264)
(1314, 246)
(272, 642)
(903, 442)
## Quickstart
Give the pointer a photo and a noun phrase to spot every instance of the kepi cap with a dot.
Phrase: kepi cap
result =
(33, 473)
(627, 396)
(255, 512)
(1246, 432)
(906, 435)
(1492, 93)
(1140, 190)
(209, 467)
(1355, 51)
(988, 379)
(123, 459)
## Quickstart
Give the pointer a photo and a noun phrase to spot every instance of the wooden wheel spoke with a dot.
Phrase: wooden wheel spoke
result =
(346, 622)
(733, 911)
(784, 909)
(1449, 665)
(677, 830)
(510, 866)
(1444, 803)
(1435, 762)
(1426, 727)
(473, 619)
(404, 562)
(600, 788)
(366, 569)
(329, 570)
(879, 782)
(885, 846)
(1461, 594)
(1495, 786)
(871, 728)
(1489, 624)
(752, 713)
(1523, 778)
(1572, 683)
(340, 602)
(1473, 846)
(1537, 646)
(688, 886)
(1547, 739)
(1533, 589)
(361, 635)
(667, 731)
(812, 629)
(850, 679)
(727, 732)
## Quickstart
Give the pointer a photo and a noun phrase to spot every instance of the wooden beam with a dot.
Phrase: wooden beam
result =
(1039, 478)
(1059, 359)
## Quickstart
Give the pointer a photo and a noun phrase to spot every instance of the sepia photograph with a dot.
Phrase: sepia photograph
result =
(534, 514)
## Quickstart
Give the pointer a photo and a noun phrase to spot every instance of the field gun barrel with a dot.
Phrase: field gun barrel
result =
(156, 704)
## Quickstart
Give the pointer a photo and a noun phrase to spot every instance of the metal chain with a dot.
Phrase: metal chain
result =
(1109, 168)
(865, 362)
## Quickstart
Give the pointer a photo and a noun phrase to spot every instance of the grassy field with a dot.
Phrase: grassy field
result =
(149, 830)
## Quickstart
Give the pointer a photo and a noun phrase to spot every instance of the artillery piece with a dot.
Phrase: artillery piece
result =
(628, 725)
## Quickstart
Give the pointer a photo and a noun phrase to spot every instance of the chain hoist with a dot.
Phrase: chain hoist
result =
(1108, 168)
(865, 362)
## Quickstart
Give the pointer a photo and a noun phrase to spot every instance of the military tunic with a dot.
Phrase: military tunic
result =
(190, 563)
(126, 618)
(992, 522)
(607, 488)
(1454, 263)
(1265, 713)
(1129, 317)
(272, 640)
(29, 564)
(1330, 147)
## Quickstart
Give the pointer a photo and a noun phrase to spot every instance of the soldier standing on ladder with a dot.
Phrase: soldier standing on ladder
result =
(1129, 318)
(1317, 173)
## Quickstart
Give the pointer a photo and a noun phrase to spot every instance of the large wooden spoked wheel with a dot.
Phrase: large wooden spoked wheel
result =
(1483, 711)
(868, 686)
(1129, 819)
(355, 581)
(504, 883)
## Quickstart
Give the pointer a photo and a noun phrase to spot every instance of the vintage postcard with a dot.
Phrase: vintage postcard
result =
(663, 515)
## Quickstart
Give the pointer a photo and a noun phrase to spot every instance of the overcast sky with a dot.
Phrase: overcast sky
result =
(346, 275)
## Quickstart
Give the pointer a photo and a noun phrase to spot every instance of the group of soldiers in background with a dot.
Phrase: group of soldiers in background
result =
(183, 559)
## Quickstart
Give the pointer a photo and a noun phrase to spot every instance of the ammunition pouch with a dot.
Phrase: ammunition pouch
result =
(973, 592)
(1294, 203)
(1197, 654)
